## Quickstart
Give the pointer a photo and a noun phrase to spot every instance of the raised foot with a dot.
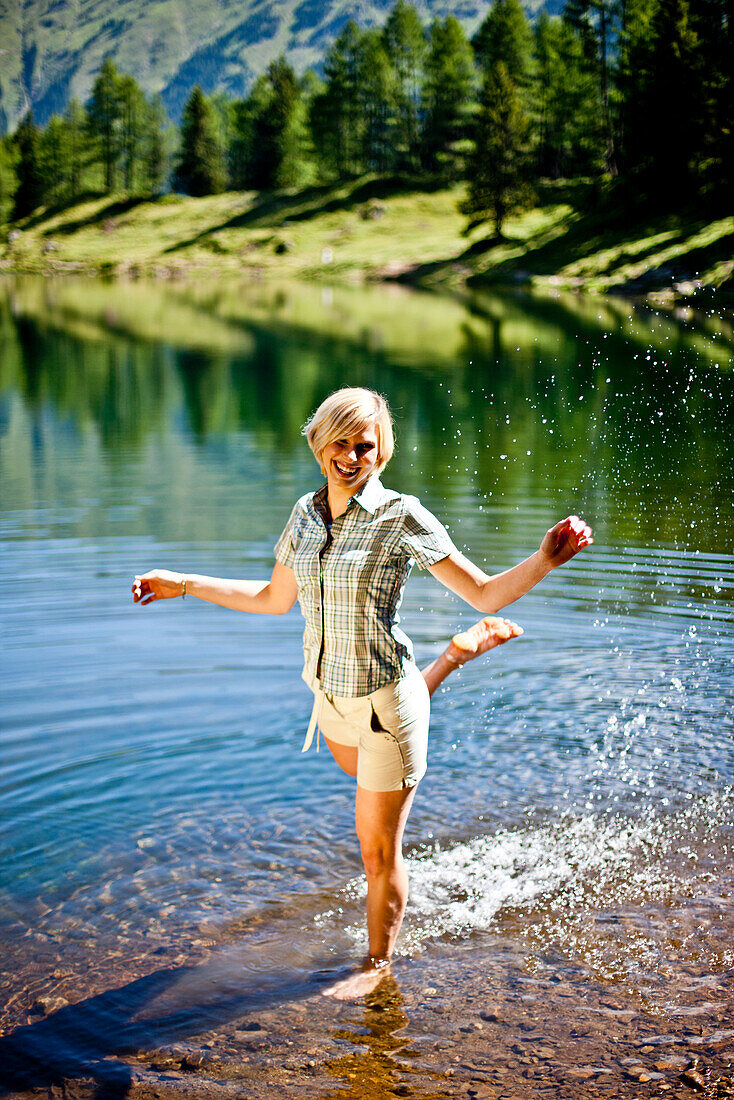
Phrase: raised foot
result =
(486, 634)
(360, 983)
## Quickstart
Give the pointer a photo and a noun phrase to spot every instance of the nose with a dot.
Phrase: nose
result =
(350, 454)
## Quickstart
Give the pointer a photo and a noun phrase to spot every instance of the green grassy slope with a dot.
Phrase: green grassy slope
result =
(380, 229)
(52, 51)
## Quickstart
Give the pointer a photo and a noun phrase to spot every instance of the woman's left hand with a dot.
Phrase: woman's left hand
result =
(565, 540)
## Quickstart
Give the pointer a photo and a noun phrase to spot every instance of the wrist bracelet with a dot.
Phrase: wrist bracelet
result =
(183, 587)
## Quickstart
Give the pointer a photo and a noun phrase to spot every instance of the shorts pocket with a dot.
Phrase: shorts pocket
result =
(376, 724)
(391, 741)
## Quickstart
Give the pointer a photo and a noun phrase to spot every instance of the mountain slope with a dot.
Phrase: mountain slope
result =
(51, 50)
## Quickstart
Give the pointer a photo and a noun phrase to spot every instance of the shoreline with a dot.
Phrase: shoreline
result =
(386, 231)
(494, 1016)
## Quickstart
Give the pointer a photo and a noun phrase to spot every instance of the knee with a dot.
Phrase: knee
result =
(379, 857)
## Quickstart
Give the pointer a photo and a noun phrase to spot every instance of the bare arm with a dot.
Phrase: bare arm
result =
(490, 594)
(273, 597)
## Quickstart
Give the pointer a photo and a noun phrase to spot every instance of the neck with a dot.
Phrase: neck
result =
(338, 497)
(338, 500)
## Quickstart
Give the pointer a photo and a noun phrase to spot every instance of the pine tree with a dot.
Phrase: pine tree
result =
(336, 119)
(269, 147)
(277, 129)
(200, 169)
(54, 162)
(242, 157)
(29, 193)
(662, 127)
(223, 113)
(8, 179)
(505, 36)
(376, 98)
(724, 116)
(75, 120)
(104, 112)
(447, 96)
(567, 103)
(154, 161)
(133, 110)
(675, 66)
(713, 24)
(406, 45)
(547, 56)
(499, 168)
(597, 22)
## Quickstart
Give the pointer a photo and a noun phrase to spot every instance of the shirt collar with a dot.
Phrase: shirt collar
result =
(369, 496)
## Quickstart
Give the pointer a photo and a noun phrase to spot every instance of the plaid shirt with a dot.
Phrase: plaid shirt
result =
(351, 582)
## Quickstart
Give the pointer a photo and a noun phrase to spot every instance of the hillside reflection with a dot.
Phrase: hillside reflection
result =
(488, 392)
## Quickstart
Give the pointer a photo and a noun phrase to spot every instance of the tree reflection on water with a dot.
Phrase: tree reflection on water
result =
(588, 392)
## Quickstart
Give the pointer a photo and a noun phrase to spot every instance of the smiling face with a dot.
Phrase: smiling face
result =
(350, 462)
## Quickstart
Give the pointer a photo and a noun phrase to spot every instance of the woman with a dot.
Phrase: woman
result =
(345, 554)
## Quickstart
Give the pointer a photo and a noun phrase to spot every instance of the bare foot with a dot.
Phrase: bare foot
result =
(361, 982)
(486, 634)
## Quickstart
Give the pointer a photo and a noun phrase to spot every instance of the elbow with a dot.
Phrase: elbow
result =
(486, 603)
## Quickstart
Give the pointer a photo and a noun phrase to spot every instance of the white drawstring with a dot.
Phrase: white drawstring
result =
(313, 723)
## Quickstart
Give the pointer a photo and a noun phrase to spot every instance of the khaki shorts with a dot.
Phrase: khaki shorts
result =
(389, 728)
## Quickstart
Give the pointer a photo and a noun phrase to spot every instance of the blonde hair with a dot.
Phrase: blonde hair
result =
(347, 412)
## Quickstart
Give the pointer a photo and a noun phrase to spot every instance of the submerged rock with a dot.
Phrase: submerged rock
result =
(43, 1006)
(191, 1061)
(694, 1079)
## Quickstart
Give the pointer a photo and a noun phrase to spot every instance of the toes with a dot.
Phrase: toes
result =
(514, 631)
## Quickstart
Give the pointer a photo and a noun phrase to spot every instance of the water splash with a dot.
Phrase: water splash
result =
(585, 884)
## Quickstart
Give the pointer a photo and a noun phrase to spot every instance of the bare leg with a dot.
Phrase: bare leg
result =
(345, 756)
(380, 818)
(486, 634)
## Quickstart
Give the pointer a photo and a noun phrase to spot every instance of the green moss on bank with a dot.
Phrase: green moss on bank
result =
(374, 229)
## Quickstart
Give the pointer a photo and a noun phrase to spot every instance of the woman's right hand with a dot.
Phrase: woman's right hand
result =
(159, 584)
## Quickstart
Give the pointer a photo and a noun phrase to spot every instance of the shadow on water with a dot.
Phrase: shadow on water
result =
(79, 1042)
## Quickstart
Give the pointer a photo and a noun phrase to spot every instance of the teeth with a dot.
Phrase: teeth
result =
(348, 470)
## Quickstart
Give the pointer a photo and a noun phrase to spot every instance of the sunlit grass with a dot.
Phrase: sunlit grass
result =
(372, 229)
(631, 258)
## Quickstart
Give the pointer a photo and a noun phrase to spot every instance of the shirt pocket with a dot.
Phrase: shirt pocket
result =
(347, 568)
(354, 558)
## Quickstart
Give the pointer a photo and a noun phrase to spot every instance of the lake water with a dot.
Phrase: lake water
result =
(157, 814)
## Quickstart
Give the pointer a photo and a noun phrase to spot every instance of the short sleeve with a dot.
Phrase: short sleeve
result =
(424, 538)
(284, 550)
